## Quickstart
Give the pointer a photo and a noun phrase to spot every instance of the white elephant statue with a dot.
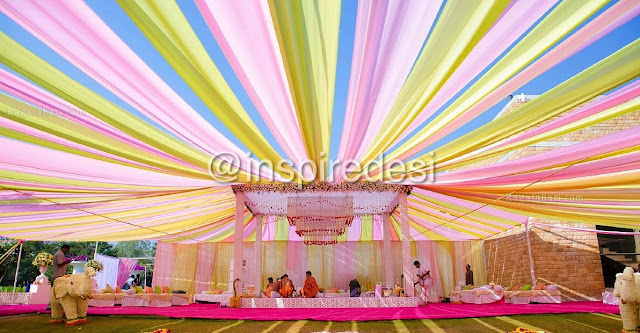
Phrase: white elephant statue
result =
(627, 289)
(71, 293)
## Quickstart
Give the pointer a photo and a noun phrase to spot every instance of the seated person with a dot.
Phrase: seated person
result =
(354, 288)
(310, 288)
(275, 289)
(268, 291)
(287, 287)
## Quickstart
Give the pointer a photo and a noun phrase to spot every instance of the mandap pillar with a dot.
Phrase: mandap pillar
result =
(258, 249)
(238, 239)
(387, 255)
(407, 265)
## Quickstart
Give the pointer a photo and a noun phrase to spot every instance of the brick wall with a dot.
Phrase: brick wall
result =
(568, 259)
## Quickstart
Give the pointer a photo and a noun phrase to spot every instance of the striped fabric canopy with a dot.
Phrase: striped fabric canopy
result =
(109, 132)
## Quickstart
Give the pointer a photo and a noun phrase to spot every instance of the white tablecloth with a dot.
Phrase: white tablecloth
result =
(212, 298)
(101, 302)
(332, 295)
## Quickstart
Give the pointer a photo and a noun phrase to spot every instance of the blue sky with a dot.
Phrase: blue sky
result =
(115, 17)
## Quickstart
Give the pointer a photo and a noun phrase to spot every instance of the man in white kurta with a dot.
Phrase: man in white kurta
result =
(422, 282)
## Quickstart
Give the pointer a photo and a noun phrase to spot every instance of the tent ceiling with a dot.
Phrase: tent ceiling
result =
(110, 113)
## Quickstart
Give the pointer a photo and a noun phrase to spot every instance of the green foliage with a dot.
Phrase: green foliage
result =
(29, 272)
(135, 249)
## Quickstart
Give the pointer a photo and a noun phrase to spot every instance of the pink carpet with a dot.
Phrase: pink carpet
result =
(434, 311)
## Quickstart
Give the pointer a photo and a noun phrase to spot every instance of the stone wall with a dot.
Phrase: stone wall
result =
(568, 259)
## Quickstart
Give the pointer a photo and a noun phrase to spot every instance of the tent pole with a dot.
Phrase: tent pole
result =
(95, 252)
(533, 274)
(407, 266)
(484, 258)
(238, 238)
(15, 279)
(258, 255)
(386, 242)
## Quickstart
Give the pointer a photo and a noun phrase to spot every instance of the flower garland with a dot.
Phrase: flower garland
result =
(43, 259)
(323, 187)
(95, 264)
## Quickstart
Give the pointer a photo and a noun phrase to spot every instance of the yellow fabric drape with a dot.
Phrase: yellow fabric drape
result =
(369, 270)
(307, 33)
(184, 269)
(609, 73)
(164, 24)
(445, 259)
(553, 27)
(459, 28)
(274, 263)
(617, 111)
(320, 260)
(21, 60)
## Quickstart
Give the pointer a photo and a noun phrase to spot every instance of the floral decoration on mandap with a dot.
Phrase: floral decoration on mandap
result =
(95, 264)
(323, 187)
(43, 259)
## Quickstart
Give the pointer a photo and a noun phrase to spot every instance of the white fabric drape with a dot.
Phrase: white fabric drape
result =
(110, 273)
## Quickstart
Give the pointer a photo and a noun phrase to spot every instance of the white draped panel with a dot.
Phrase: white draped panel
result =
(110, 273)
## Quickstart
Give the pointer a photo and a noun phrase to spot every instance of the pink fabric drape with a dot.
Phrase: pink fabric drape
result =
(605, 232)
(125, 267)
(427, 257)
(204, 268)
(355, 229)
(612, 18)
(76, 167)
(381, 63)
(163, 265)
(602, 145)
(333, 265)
(39, 97)
(263, 76)
(344, 268)
(296, 262)
(78, 34)
(515, 21)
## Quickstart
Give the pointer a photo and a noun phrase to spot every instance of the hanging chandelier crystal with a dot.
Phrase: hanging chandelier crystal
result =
(320, 220)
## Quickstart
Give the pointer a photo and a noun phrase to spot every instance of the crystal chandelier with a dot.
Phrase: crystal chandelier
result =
(320, 220)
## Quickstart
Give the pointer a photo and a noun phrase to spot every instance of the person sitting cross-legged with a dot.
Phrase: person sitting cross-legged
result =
(275, 289)
(310, 288)
(287, 288)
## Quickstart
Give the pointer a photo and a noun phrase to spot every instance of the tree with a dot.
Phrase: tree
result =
(135, 249)
(30, 249)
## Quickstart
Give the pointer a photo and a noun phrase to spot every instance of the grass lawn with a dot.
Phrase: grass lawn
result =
(579, 322)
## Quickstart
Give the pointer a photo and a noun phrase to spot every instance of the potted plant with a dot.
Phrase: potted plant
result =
(43, 260)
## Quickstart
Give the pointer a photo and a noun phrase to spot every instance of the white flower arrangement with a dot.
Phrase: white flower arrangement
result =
(95, 264)
(43, 259)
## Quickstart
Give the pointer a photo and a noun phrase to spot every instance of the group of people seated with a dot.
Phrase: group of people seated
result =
(132, 282)
(283, 287)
